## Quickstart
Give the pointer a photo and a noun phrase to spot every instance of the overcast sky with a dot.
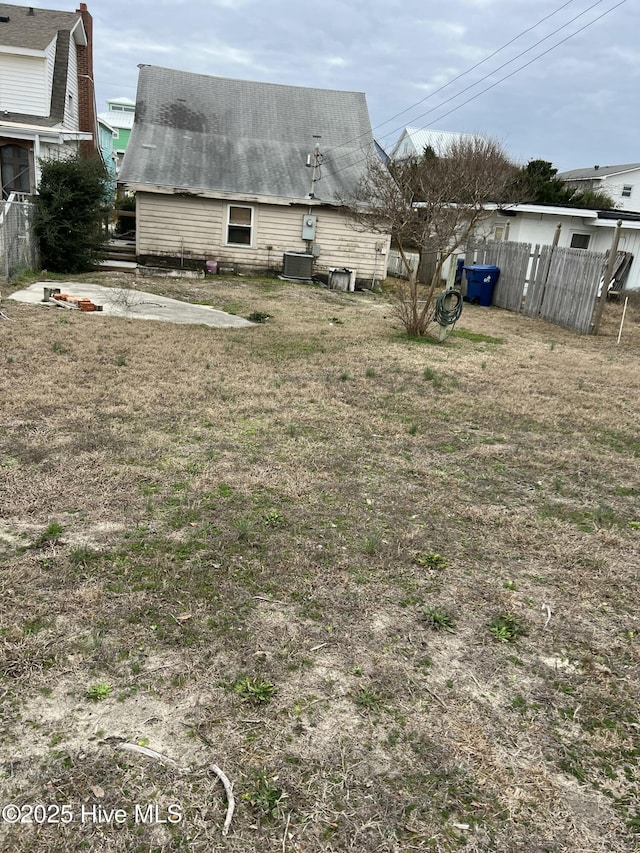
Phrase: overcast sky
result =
(577, 105)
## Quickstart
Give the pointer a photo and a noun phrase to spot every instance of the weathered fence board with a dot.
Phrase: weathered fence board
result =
(513, 261)
(395, 266)
(537, 280)
(572, 287)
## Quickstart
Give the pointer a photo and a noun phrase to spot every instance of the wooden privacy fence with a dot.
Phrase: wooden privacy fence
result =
(560, 285)
(563, 286)
(18, 246)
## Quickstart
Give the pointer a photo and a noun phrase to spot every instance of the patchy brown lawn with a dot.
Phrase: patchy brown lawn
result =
(390, 588)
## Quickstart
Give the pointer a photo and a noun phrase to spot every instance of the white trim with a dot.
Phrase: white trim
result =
(24, 51)
(222, 195)
(46, 134)
(251, 227)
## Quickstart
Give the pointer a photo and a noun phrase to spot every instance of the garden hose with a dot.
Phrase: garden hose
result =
(448, 308)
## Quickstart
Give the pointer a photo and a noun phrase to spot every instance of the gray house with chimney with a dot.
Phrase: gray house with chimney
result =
(249, 174)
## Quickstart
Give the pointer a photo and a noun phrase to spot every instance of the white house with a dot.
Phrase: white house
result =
(47, 102)
(413, 140)
(621, 183)
(579, 229)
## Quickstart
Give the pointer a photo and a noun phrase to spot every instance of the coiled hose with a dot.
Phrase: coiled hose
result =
(446, 313)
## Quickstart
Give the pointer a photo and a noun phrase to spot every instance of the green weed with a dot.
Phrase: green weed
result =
(432, 560)
(255, 690)
(99, 691)
(50, 536)
(439, 619)
(264, 796)
(506, 628)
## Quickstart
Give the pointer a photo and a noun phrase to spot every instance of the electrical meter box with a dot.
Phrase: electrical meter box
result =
(309, 227)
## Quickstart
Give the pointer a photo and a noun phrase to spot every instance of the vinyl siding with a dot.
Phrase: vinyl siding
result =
(50, 56)
(194, 228)
(23, 84)
(71, 119)
(614, 184)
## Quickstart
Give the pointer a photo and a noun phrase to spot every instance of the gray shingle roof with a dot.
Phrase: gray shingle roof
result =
(195, 132)
(35, 32)
(599, 172)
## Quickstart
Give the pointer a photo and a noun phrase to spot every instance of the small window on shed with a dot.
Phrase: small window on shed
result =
(240, 225)
(580, 241)
(627, 190)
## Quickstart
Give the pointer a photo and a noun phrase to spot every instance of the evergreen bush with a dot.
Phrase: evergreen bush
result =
(69, 211)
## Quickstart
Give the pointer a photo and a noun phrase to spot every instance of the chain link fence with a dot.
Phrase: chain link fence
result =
(18, 245)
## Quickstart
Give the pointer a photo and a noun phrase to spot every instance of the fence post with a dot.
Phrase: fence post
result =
(613, 251)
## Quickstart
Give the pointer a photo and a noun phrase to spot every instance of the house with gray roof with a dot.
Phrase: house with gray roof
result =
(621, 183)
(47, 102)
(249, 174)
(413, 141)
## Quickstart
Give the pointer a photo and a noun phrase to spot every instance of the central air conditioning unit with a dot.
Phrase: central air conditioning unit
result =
(297, 265)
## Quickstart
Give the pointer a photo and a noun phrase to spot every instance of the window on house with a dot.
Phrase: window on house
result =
(626, 190)
(240, 225)
(498, 234)
(580, 241)
(14, 168)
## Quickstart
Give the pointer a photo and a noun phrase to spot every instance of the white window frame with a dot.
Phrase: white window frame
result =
(250, 227)
(580, 234)
(627, 189)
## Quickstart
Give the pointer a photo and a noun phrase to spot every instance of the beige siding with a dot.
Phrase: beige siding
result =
(195, 228)
(175, 226)
(23, 84)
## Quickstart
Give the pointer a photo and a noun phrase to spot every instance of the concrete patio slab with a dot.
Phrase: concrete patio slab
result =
(132, 304)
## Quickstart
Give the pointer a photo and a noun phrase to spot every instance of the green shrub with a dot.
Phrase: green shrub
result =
(69, 211)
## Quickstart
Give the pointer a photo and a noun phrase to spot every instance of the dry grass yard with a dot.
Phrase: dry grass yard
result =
(389, 588)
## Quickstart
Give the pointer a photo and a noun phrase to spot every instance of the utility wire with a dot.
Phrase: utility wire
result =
(462, 74)
(486, 76)
(497, 82)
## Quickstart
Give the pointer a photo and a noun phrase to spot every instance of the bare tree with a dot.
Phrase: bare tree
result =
(431, 204)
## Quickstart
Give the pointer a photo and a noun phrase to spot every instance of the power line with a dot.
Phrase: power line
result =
(490, 73)
(501, 80)
(521, 67)
(482, 61)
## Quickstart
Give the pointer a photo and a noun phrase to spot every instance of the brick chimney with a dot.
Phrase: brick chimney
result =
(86, 89)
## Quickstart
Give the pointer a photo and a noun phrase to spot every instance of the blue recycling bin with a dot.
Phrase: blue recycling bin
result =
(481, 279)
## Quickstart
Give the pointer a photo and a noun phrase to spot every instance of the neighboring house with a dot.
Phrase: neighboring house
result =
(120, 115)
(414, 140)
(621, 183)
(580, 229)
(106, 136)
(242, 172)
(47, 103)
